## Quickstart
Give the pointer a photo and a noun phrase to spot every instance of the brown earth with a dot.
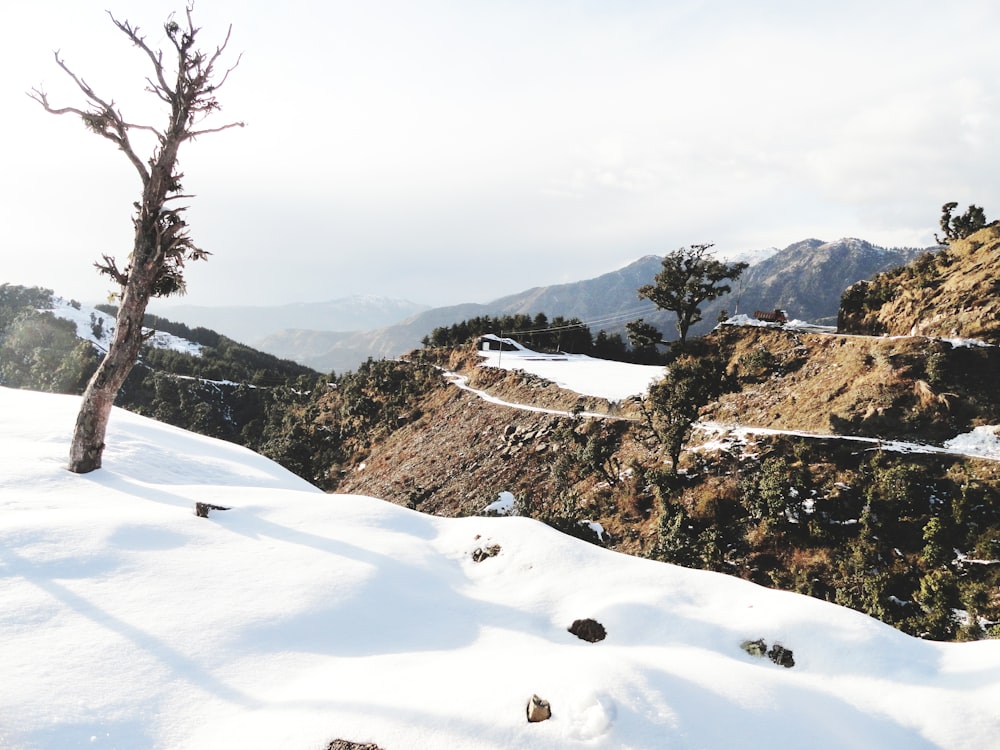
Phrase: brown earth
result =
(463, 451)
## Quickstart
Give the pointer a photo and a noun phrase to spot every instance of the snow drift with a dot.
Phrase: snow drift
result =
(295, 617)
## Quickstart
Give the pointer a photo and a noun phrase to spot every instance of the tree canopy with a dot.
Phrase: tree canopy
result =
(959, 227)
(689, 277)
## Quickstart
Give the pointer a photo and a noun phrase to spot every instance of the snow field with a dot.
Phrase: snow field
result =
(298, 617)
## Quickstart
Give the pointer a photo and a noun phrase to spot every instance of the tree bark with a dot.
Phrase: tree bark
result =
(87, 448)
(161, 244)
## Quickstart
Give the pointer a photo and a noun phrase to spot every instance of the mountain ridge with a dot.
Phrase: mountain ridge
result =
(806, 278)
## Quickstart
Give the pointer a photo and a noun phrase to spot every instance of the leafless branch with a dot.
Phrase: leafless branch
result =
(132, 32)
(195, 133)
(110, 268)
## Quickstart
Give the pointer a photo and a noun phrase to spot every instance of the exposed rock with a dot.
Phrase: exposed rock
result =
(202, 509)
(347, 745)
(479, 553)
(588, 630)
(538, 709)
(755, 648)
(781, 655)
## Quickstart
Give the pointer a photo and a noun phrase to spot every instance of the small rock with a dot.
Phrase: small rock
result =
(755, 648)
(479, 553)
(781, 655)
(588, 630)
(538, 709)
(202, 509)
(347, 745)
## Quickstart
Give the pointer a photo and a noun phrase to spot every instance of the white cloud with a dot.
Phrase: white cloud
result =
(553, 138)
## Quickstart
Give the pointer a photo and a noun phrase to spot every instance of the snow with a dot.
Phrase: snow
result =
(595, 527)
(588, 376)
(97, 327)
(462, 381)
(983, 441)
(296, 617)
(502, 506)
(968, 343)
(793, 324)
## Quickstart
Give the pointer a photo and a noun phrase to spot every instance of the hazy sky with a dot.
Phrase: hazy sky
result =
(458, 150)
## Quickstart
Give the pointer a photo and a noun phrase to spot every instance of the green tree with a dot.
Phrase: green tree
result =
(958, 227)
(676, 538)
(609, 346)
(643, 338)
(938, 598)
(162, 244)
(936, 553)
(689, 277)
(673, 403)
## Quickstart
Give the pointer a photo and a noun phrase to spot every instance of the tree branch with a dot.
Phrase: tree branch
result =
(103, 119)
(195, 133)
(132, 32)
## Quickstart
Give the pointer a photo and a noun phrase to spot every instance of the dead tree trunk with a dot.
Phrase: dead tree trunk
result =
(162, 244)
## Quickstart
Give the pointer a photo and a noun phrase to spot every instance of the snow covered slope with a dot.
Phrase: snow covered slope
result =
(97, 327)
(296, 617)
(585, 375)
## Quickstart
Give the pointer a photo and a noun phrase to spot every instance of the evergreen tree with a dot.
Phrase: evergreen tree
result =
(689, 277)
(643, 338)
(959, 227)
(674, 401)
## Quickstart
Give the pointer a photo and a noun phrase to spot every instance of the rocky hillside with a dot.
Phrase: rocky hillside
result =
(853, 522)
(954, 293)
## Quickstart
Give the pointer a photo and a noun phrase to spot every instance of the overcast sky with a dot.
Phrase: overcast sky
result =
(447, 151)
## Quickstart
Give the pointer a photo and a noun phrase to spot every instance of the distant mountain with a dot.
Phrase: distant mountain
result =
(806, 278)
(609, 301)
(252, 324)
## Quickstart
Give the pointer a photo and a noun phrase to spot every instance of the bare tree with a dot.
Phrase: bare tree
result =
(162, 244)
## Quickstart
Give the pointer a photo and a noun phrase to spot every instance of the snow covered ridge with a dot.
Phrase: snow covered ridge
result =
(295, 618)
(97, 327)
(588, 376)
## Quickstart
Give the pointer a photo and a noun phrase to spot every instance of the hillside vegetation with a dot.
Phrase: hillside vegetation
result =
(952, 293)
(910, 538)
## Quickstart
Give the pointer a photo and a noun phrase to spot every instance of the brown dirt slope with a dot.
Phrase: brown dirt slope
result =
(462, 451)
